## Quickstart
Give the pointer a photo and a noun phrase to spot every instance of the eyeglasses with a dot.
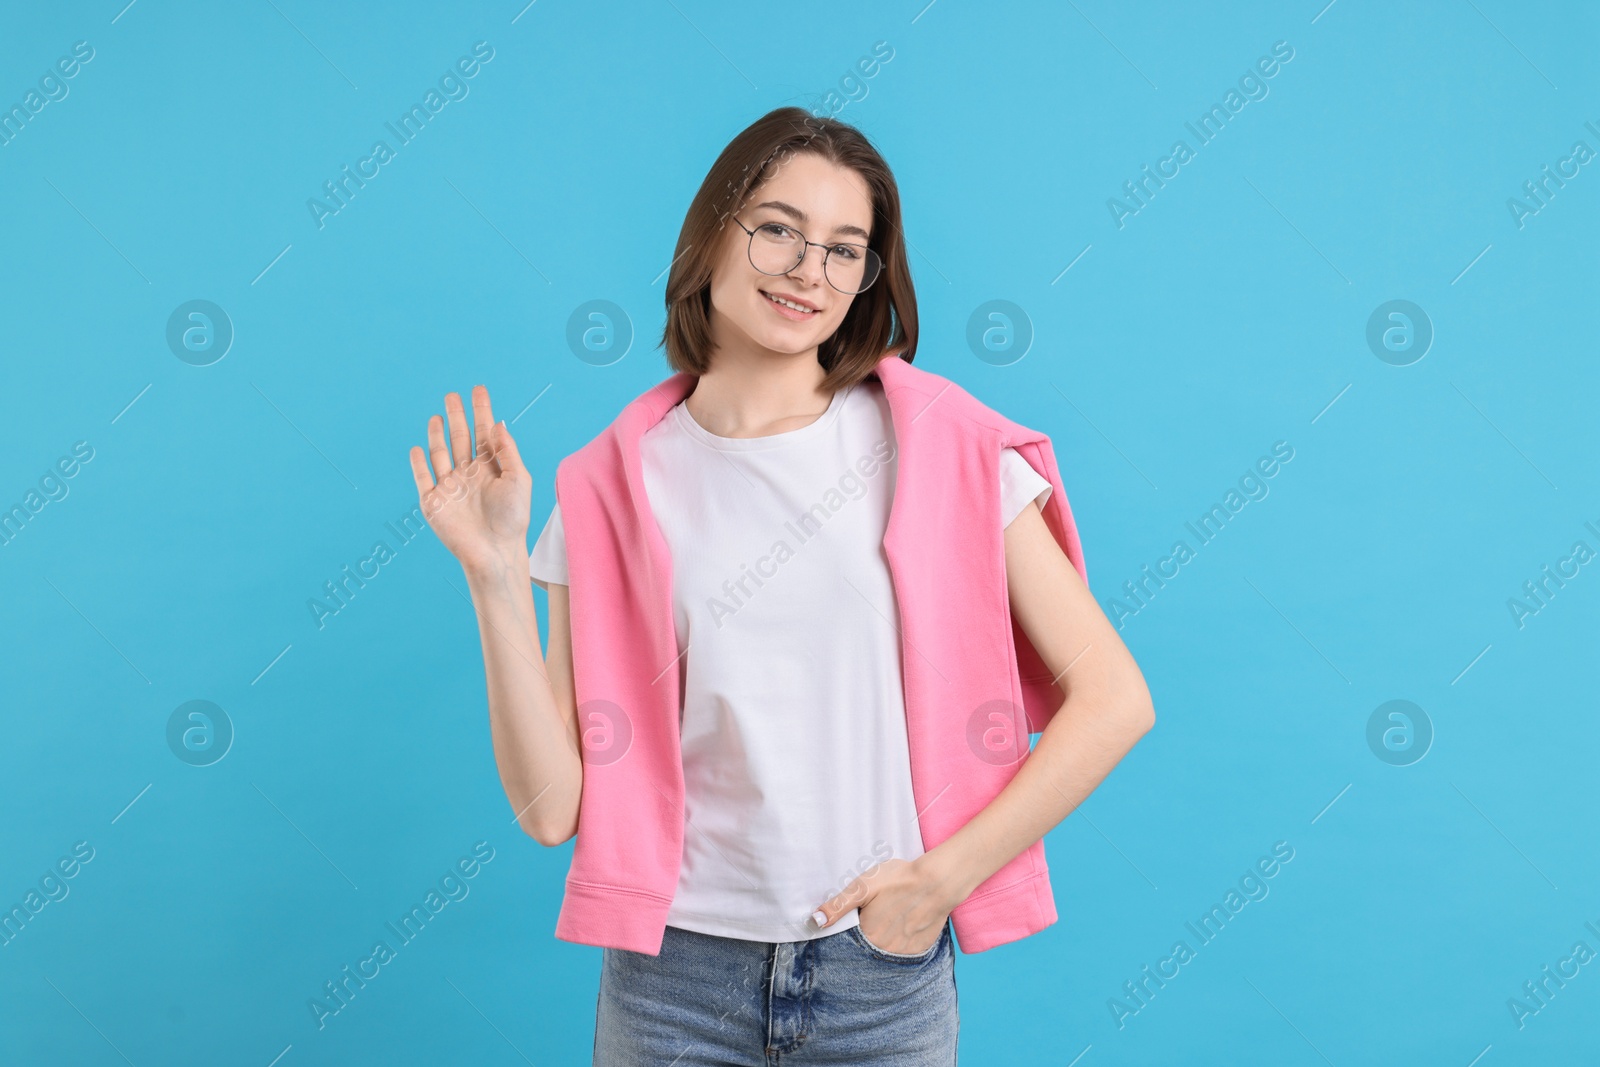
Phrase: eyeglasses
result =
(778, 248)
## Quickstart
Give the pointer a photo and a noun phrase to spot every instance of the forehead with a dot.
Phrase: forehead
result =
(830, 196)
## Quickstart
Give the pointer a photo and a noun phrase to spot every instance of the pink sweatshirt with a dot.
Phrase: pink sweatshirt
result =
(973, 682)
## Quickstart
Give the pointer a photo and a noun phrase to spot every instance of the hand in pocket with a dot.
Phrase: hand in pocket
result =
(902, 906)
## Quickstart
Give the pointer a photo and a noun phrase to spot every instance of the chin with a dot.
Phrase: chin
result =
(788, 344)
(775, 338)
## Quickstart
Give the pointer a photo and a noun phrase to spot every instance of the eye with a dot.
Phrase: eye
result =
(775, 230)
(847, 251)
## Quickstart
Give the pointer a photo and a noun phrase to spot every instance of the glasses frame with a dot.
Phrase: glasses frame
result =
(827, 250)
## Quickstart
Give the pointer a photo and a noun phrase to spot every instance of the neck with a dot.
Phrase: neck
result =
(757, 394)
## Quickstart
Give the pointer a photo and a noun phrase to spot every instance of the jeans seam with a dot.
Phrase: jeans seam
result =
(915, 957)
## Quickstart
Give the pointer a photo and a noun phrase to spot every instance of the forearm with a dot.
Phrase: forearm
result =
(1079, 747)
(535, 739)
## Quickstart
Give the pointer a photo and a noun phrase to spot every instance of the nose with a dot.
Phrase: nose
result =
(809, 269)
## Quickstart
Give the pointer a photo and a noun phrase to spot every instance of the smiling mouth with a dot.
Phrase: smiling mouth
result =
(791, 305)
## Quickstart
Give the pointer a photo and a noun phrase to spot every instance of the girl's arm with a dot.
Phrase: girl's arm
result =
(1107, 708)
(479, 510)
(532, 712)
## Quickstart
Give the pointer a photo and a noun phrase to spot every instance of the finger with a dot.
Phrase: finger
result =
(460, 438)
(505, 449)
(420, 472)
(851, 896)
(436, 448)
(482, 418)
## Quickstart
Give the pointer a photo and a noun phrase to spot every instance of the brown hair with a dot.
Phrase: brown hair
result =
(882, 318)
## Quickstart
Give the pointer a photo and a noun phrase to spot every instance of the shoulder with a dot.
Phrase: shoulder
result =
(602, 457)
(948, 402)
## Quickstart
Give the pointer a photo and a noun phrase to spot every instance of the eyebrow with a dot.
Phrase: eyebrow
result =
(800, 217)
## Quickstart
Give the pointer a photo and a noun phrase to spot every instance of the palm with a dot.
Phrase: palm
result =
(479, 505)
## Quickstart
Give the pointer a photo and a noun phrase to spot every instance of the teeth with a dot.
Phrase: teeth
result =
(787, 303)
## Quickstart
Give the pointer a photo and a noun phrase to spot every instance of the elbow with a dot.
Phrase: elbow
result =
(551, 817)
(546, 834)
(1145, 718)
(1141, 713)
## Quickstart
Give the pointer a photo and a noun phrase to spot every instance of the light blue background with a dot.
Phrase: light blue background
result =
(1227, 315)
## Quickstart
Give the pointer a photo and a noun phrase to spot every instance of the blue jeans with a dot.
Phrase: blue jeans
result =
(710, 1001)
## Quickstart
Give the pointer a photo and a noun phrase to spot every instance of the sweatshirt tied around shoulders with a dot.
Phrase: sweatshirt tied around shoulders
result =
(974, 685)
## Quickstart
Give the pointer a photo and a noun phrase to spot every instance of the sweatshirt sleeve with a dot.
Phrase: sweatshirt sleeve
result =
(547, 565)
(1019, 483)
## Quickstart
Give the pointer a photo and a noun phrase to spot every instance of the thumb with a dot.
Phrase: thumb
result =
(854, 895)
(505, 449)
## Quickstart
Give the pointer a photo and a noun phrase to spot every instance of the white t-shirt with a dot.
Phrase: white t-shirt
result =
(796, 767)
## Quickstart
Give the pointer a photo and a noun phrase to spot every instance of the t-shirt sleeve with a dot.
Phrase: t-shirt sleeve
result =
(1019, 483)
(547, 564)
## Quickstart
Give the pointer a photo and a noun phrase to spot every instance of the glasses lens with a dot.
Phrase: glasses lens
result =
(775, 248)
(852, 268)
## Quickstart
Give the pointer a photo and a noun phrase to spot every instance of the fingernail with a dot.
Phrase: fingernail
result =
(819, 918)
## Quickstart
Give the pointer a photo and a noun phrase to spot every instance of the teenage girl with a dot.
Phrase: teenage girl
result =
(794, 746)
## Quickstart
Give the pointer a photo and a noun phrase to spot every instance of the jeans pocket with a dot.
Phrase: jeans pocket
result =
(899, 957)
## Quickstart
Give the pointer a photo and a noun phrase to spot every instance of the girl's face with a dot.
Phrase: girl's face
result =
(826, 202)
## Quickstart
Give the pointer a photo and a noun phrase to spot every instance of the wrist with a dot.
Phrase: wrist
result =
(495, 564)
(951, 874)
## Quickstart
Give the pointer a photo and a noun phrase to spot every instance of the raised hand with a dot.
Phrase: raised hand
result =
(479, 505)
